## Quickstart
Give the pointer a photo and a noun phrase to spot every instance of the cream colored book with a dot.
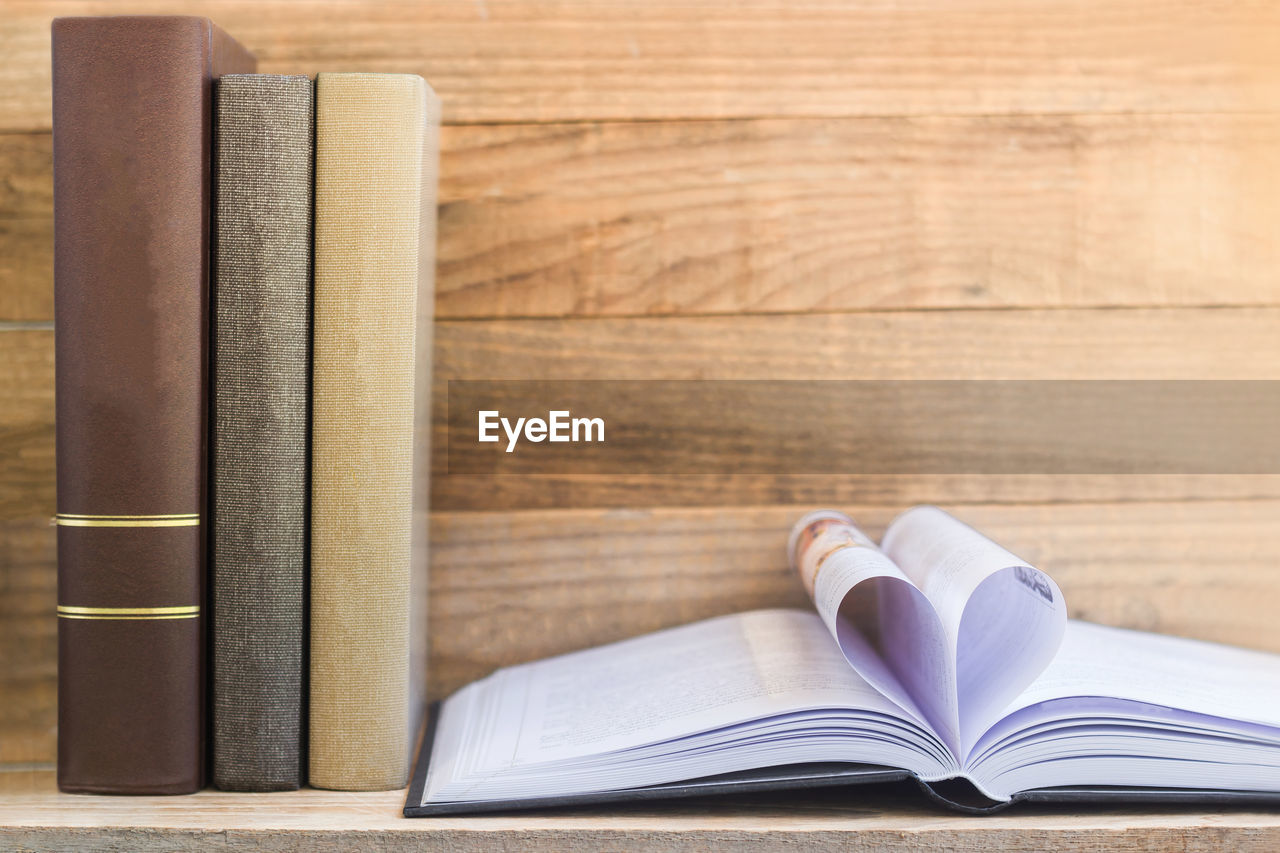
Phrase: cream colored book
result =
(376, 153)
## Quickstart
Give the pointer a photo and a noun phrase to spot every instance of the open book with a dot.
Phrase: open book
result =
(938, 655)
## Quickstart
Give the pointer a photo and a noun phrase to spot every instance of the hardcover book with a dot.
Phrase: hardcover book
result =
(936, 656)
(376, 144)
(132, 111)
(258, 428)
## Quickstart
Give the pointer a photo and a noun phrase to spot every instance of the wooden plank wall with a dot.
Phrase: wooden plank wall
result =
(632, 189)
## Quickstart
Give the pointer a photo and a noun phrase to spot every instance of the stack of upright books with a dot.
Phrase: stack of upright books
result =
(243, 283)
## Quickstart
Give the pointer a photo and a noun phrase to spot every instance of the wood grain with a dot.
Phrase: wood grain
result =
(532, 60)
(26, 227)
(26, 270)
(672, 218)
(1190, 343)
(512, 587)
(898, 818)
(1147, 344)
(1059, 344)
(730, 217)
(647, 491)
(26, 425)
(26, 161)
(28, 642)
(1138, 344)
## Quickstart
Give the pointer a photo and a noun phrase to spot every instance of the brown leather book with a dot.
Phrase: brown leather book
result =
(132, 119)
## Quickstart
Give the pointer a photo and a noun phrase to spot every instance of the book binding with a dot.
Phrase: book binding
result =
(132, 108)
(258, 429)
(375, 134)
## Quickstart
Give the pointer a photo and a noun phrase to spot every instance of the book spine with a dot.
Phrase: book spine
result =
(370, 131)
(132, 109)
(424, 343)
(258, 428)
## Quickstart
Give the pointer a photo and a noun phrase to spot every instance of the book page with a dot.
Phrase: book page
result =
(1003, 619)
(759, 689)
(1120, 707)
(1174, 672)
(886, 628)
(651, 689)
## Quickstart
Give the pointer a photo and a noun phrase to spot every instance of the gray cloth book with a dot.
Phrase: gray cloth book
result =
(263, 155)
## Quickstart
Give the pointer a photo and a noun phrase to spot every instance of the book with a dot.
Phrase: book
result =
(376, 144)
(132, 109)
(937, 656)
(260, 370)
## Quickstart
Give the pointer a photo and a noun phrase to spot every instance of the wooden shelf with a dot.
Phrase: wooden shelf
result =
(34, 815)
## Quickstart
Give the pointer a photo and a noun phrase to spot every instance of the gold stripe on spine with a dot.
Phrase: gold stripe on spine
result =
(67, 519)
(170, 515)
(128, 618)
(145, 614)
(180, 610)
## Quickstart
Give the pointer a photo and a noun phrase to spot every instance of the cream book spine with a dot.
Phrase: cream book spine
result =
(376, 150)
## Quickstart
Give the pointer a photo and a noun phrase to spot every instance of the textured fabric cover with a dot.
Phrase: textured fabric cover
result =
(370, 132)
(262, 296)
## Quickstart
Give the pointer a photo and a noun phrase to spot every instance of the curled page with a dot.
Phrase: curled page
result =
(1003, 618)
(862, 595)
(943, 621)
